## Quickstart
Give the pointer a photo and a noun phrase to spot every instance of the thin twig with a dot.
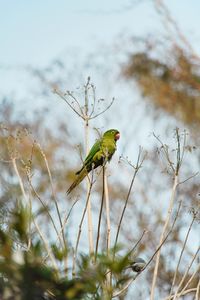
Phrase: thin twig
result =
(193, 290)
(68, 103)
(80, 229)
(94, 101)
(107, 211)
(43, 204)
(191, 177)
(190, 280)
(118, 293)
(100, 217)
(165, 149)
(54, 196)
(48, 248)
(186, 273)
(181, 254)
(138, 241)
(103, 111)
(59, 235)
(166, 237)
(76, 101)
(171, 203)
(197, 296)
(67, 217)
(26, 199)
(20, 179)
(108, 221)
(136, 169)
(169, 211)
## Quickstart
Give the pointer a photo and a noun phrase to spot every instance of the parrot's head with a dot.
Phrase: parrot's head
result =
(112, 133)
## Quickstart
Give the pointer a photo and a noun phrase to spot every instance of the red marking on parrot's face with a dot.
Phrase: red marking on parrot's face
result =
(117, 136)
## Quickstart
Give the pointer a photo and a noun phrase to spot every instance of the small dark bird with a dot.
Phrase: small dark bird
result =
(138, 265)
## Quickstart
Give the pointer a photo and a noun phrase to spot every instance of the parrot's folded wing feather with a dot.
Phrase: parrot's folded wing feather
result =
(95, 148)
(87, 166)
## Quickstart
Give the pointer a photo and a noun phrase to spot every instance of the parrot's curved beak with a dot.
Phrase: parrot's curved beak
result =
(117, 136)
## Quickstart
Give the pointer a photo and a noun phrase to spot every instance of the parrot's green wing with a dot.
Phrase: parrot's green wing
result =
(87, 165)
(95, 148)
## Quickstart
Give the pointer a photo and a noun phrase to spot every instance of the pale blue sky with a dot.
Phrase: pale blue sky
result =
(35, 32)
(39, 31)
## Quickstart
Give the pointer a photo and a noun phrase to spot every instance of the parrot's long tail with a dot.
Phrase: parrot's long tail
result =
(80, 176)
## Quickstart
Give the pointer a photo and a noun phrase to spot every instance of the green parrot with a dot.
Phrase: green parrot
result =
(101, 152)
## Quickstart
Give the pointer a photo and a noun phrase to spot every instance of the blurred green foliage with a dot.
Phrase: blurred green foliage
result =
(26, 274)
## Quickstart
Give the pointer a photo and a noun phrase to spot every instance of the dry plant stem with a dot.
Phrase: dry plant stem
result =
(100, 217)
(197, 296)
(138, 165)
(66, 219)
(20, 179)
(89, 208)
(107, 211)
(80, 230)
(76, 101)
(24, 196)
(134, 247)
(54, 196)
(166, 237)
(43, 204)
(191, 278)
(103, 111)
(108, 221)
(182, 250)
(169, 212)
(191, 177)
(186, 273)
(29, 223)
(193, 290)
(48, 249)
(138, 242)
(68, 103)
(64, 223)
(118, 293)
(81, 114)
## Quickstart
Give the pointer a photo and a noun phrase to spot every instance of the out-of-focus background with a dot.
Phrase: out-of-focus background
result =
(145, 55)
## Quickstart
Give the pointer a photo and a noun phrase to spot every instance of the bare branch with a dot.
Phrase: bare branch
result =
(103, 111)
(100, 216)
(118, 293)
(181, 254)
(193, 290)
(136, 169)
(56, 91)
(53, 195)
(80, 229)
(171, 203)
(186, 273)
